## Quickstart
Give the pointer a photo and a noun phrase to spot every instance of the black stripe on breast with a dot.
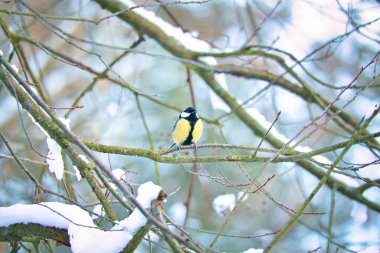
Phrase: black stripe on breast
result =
(189, 138)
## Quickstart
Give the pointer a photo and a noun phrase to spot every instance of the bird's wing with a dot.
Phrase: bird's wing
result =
(175, 124)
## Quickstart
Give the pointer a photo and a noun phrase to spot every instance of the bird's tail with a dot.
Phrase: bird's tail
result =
(171, 145)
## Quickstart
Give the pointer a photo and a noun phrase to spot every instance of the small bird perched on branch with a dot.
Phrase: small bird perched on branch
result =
(187, 129)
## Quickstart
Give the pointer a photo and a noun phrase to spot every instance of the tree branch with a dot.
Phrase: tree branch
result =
(20, 232)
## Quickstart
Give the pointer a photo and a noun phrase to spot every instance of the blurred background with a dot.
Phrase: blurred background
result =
(334, 39)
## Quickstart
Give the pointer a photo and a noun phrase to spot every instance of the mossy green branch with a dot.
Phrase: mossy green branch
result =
(137, 238)
(159, 214)
(288, 154)
(158, 157)
(22, 232)
(331, 220)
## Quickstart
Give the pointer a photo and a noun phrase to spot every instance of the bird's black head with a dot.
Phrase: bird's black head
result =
(190, 110)
(190, 114)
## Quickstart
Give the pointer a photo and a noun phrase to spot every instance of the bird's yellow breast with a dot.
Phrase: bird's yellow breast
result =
(197, 131)
(185, 133)
(181, 131)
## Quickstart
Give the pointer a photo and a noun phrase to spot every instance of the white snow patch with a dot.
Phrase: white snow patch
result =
(177, 212)
(223, 204)
(372, 194)
(253, 250)
(54, 156)
(112, 186)
(146, 194)
(75, 220)
(77, 172)
(116, 239)
(98, 211)
(84, 158)
(65, 121)
(119, 174)
(240, 194)
(14, 67)
(53, 214)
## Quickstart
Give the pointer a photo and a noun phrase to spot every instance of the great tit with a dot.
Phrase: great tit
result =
(187, 129)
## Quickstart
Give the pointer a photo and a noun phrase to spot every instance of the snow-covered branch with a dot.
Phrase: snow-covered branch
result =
(83, 234)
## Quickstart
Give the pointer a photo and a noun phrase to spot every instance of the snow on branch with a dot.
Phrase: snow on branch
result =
(54, 157)
(84, 235)
(185, 38)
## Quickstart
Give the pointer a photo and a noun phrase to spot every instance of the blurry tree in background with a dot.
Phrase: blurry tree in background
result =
(288, 92)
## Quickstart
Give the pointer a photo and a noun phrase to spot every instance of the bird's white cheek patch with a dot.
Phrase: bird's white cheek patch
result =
(185, 114)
